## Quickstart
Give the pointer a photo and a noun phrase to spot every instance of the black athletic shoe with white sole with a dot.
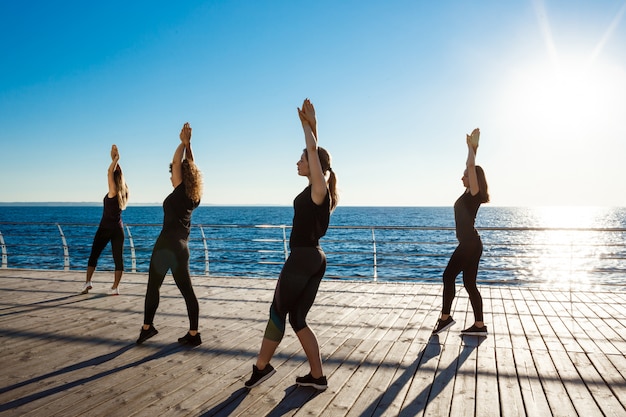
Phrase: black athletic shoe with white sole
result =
(443, 325)
(475, 331)
(258, 376)
(308, 381)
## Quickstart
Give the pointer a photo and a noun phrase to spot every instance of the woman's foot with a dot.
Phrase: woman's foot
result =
(86, 287)
(190, 340)
(474, 330)
(443, 325)
(308, 381)
(146, 334)
(259, 375)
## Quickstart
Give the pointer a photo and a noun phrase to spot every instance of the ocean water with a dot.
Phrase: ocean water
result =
(580, 246)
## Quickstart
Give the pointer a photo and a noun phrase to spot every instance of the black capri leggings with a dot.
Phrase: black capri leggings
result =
(100, 240)
(296, 290)
(170, 254)
(464, 259)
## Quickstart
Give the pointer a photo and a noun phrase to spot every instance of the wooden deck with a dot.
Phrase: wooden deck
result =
(549, 353)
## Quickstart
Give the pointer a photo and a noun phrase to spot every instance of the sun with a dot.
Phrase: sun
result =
(567, 100)
(568, 92)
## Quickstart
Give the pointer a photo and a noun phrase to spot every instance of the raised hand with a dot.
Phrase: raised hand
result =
(307, 114)
(115, 155)
(472, 140)
(185, 134)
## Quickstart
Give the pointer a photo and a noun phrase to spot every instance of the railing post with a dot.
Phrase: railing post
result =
(66, 252)
(3, 247)
(206, 252)
(133, 258)
(375, 258)
(285, 241)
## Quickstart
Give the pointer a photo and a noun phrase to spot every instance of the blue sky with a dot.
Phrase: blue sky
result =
(396, 85)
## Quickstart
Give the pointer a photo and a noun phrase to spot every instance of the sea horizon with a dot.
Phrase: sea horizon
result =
(159, 204)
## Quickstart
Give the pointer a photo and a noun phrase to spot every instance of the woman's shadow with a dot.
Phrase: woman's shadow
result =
(295, 398)
(443, 378)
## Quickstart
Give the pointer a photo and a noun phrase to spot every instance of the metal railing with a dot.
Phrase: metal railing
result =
(515, 255)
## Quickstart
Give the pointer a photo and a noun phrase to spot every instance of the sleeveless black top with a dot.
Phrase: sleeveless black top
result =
(177, 209)
(310, 221)
(111, 213)
(465, 209)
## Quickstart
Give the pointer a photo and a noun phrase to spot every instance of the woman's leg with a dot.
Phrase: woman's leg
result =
(470, 273)
(160, 261)
(454, 267)
(100, 241)
(117, 247)
(182, 278)
(292, 281)
(299, 312)
(312, 350)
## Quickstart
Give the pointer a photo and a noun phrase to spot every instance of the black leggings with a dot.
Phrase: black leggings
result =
(170, 254)
(100, 240)
(464, 259)
(295, 291)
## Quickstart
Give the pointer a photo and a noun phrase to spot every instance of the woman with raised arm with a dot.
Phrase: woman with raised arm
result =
(467, 254)
(171, 250)
(303, 270)
(110, 228)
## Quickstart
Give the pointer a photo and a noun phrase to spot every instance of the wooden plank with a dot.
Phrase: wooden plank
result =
(510, 391)
(487, 394)
(597, 387)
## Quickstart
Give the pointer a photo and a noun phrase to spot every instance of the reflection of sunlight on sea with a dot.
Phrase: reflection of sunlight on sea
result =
(570, 250)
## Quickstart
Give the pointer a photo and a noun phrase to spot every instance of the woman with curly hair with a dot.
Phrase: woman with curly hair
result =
(171, 250)
(110, 228)
(303, 271)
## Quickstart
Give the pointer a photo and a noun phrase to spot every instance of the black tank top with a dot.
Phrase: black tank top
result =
(177, 209)
(111, 213)
(310, 221)
(465, 209)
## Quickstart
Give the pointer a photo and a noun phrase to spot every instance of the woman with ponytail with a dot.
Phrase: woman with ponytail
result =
(111, 228)
(467, 255)
(304, 269)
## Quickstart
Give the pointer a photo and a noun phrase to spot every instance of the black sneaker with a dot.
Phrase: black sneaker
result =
(475, 331)
(443, 325)
(259, 376)
(146, 334)
(190, 340)
(308, 381)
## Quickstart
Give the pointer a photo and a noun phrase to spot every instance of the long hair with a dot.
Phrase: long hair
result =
(192, 178)
(325, 161)
(121, 187)
(482, 184)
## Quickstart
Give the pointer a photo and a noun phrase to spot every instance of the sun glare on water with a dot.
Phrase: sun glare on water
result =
(571, 244)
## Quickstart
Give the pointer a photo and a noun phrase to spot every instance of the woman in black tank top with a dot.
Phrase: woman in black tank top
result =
(171, 250)
(303, 271)
(111, 228)
(467, 255)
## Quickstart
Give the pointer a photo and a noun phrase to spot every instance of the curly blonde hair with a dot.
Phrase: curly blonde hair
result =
(192, 178)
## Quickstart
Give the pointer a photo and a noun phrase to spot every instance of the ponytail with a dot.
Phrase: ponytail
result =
(325, 161)
(482, 185)
(121, 188)
(332, 189)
